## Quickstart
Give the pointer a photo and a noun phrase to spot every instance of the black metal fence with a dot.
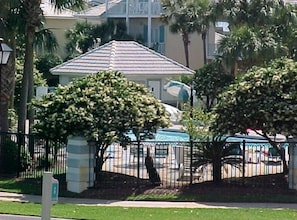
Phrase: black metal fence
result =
(34, 155)
(172, 160)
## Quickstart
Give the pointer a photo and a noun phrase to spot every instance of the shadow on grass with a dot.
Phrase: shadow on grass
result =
(267, 188)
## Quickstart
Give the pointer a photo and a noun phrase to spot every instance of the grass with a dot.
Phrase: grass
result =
(203, 192)
(21, 186)
(27, 186)
(111, 213)
(215, 198)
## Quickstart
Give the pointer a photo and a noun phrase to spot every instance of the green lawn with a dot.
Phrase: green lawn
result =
(96, 212)
(111, 213)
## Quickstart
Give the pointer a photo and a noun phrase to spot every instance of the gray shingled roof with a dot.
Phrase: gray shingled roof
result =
(50, 11)
(98, 10)
(128, 57)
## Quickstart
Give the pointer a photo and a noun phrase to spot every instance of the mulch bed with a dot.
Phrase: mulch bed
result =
(122, 186)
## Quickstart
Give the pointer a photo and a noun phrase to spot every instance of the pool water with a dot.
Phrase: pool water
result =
(166, 135)
(179, 136)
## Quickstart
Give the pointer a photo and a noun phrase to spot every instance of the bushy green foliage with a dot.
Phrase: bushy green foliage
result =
(210, 147)
(209, 82)
(9, 162)
(84, 36)
(43, 163)
(264, 98)
(45, 63)
(196, 122)
(259, 31)
(25, 160)
(102, 107)
(37, 78)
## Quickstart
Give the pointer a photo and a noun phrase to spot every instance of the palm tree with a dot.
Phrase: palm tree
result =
(179, 18)
(8, 29)
(79, 38)
(217, 152)
(258, 31)
(33, 17)
(84, 35)
(244, 12)
(201, 15)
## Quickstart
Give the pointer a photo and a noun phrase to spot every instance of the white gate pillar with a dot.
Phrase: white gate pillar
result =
(80, 164)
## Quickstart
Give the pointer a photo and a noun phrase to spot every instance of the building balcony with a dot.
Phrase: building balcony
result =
(134, 9)
(212, 51)
(158, 47)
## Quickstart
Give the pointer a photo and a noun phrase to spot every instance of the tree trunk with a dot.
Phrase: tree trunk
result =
(7, 71)
(217, 170)
(100, 159)
(186, 47)
(203, 35)
(28, 70)
(4, 103)
(98, 168)
(33, 14)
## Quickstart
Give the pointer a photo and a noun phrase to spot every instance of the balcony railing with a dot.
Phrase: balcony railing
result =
(134, 9)
(158, 47)
(212, 51)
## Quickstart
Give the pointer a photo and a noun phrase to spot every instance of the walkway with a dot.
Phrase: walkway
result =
(98, 202)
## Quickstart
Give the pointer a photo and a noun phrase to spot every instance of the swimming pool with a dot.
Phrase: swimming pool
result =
(166, 135)
(179, 136)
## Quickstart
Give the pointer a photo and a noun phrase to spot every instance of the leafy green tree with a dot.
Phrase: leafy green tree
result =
(102, 107)
(44, 63)
(209, 82)
(262, 99)
(180, 19)
(196, 122)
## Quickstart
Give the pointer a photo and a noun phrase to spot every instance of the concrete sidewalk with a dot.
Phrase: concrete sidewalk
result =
(4, 196)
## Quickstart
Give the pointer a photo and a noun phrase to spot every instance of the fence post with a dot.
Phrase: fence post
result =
(19, 153)
(243, 162)
(138, 161)
(46, 155)
(191, 160)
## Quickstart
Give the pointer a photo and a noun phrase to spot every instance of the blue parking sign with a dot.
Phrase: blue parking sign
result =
(55, 191)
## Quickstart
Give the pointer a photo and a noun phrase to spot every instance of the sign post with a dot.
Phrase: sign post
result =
(55, 191)
(50, 194)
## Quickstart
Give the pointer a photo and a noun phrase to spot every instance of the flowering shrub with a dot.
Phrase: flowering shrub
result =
(102, 107)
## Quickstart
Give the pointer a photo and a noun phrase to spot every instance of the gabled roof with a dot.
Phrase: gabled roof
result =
(128, 57)
(98, 10)
(95, 11)
(50, 11)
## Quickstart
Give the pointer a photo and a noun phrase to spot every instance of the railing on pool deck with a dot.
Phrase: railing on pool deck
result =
(126, 165)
